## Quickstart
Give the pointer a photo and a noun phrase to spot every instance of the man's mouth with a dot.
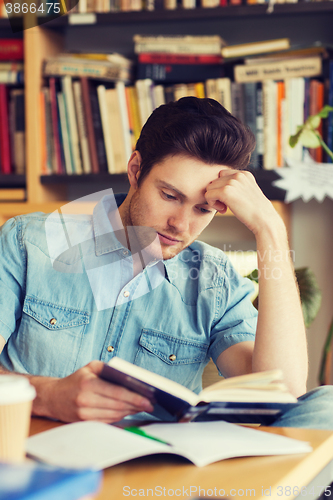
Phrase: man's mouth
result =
(167, 240)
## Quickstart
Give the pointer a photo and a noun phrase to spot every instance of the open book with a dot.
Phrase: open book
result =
(254, 398)
(97, 445)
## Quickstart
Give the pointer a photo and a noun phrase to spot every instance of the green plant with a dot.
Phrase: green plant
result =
(308, 134)
(310, 293)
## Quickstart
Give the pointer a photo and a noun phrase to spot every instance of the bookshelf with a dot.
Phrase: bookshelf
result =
(302, 22)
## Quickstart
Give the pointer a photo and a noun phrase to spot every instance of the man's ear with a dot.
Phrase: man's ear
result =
(133, 169)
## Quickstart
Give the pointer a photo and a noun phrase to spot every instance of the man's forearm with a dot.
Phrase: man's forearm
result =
(281, 336)
(41, 405)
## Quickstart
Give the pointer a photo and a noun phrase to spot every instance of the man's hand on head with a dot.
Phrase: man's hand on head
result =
(85, 396)
(238, 190)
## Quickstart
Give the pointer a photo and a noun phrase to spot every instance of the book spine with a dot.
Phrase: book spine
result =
(329, 137)
(17, 97)
(270, 132)
(280, 135)
(72, 123)
(260, 125)
(211, 89)
(144, 99)
(178, 48)
(101, 92)
(173, 73)
(54, 67)
(120, 87)
(55, 125)
(11, 77)
(250, 116)
(11, 49)
(50, 165)
(64, 129)
(82, 127)
(237, 101)
(6, 164)
(223, 86)
(279, 70)
(113, 108)
(89, 121)
(161, 58)
(136, 113)
(42, 131)
(130, 116)
(11, 66)
(200, 90)
(98, 130)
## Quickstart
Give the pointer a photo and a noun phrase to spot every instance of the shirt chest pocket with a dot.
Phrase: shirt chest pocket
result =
(181, 360)
(50, 337)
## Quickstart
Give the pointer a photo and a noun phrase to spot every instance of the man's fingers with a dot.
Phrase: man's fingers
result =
(122, 396)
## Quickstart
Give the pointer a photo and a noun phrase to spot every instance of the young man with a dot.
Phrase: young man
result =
(170, 305)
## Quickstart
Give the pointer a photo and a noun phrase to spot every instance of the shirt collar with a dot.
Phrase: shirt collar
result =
(106, 223)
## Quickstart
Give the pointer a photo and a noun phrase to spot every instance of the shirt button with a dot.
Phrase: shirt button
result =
(172, 357)
(126, 294)
(53, 321)
(110, 348)
(125, 252)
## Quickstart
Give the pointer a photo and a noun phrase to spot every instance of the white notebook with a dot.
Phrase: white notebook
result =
(98, 445)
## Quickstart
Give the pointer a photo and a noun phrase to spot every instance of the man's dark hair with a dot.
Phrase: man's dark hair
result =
(201, 128)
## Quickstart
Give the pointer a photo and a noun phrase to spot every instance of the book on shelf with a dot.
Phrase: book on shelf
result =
(64, 133)
(176, 44)
(82, 127)
(78, 67)
(263, 46)
(292, 53)
(316, 104)
(97, 445)
(11, 49)
(163, 58)
(279, 70)
(173, 73)
(17, 129)
(106, 126)
(67, 86)
(253, 398)
(5, 149)
(31, 481)
(87, 109)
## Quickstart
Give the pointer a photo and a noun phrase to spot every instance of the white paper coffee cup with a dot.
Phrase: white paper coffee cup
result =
(16, 396)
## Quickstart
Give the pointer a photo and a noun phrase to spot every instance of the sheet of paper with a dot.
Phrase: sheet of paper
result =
(211, 441)
(96, 445)
(92, 445)
(307, 179)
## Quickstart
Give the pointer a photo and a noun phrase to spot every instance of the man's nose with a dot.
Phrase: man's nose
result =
(179, 220)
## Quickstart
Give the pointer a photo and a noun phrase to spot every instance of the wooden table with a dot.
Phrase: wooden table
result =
(260, 477)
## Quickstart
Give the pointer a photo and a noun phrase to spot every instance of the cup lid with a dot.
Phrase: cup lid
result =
(15, 389)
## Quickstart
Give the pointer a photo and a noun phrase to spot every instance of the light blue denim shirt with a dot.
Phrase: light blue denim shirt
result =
(65, 303)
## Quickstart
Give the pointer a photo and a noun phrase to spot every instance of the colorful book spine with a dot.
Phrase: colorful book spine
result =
(89, 121)
(5, 153)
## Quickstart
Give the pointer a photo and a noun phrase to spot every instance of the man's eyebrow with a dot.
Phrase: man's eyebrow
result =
(182, 195)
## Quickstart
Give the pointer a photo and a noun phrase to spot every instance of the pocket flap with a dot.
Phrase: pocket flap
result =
(172, 350)
(53, 316)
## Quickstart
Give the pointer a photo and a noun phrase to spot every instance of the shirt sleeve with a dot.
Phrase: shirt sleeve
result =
(236, 317)
(12, 278)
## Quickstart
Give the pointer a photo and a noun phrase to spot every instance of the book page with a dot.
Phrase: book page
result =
(207, 442)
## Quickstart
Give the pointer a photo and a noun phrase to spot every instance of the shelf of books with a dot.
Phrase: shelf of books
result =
(83, 14)
(84, 111)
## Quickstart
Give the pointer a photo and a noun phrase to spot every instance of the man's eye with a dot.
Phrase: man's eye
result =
(168, 196)
(204, 211)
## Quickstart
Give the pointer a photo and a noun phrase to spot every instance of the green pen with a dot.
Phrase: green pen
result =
(140, 432)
